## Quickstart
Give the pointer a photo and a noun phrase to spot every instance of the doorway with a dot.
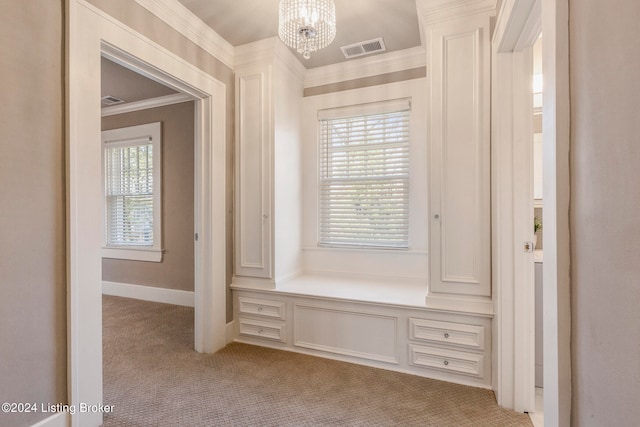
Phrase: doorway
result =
(148, 204)
(91, 35)
(518, 27)
(149, 241)
(537, 416)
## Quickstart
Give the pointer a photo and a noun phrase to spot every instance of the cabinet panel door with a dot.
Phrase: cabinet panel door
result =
(253, 174)
(460, 157)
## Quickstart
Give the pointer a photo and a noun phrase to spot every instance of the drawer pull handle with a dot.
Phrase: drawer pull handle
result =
(260, 331)
(259, 308)
(446, 363)
(446, 335)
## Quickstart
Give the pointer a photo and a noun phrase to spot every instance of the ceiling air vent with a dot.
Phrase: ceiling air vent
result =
(111, 100)
(363, 48)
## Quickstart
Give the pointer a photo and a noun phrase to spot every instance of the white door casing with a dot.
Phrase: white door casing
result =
(519, 23)
(92, 33)
(517, 29)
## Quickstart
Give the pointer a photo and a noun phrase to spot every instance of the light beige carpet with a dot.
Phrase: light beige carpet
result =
(154, 378)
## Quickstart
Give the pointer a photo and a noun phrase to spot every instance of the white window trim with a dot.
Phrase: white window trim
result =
(152, 253)
(357, 110)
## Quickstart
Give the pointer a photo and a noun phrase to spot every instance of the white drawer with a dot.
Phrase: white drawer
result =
(263, 329)
(262, 307)
(457, 362)
(458, 334)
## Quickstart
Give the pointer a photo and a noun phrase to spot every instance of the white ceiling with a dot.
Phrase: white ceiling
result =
(244, 21)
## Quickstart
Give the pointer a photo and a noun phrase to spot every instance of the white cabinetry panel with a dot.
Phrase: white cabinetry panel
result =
(253, 174)
(389, 336)
(263, 329)
(262, 307)
(460, 156)
(457, 334)
(368, 336)
(447, 360)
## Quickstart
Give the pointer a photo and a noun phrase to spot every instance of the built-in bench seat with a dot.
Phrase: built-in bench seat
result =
(404, 292)
(387, 323)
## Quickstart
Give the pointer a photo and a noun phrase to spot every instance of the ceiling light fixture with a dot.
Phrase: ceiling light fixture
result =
(307, 25)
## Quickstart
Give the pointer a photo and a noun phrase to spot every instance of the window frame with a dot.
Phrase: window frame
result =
(360, 111)
(133, 134)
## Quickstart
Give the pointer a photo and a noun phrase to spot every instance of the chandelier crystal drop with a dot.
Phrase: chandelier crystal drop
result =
(307, 25)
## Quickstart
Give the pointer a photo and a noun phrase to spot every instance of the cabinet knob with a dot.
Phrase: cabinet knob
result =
(436, 216)
(259, 308)
(446, 363)
(446, 334)
(260, 331)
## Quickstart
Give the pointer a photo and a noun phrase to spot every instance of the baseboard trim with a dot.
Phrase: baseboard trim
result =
(61, 419)
(230, 331)
(149, 293)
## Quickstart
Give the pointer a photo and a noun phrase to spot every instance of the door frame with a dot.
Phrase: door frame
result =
(518, 27)
(91, 33)
(519, 23)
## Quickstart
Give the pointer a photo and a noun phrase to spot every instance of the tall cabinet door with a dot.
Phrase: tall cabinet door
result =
(253, 201)
(459, 62)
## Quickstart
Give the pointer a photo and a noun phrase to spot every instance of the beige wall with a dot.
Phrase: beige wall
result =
(381, 79)
(141, 20)
(177, 266)
(32, 208)
(605, 201)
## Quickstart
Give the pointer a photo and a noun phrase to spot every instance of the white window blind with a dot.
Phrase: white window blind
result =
(129, 198)
(364, 175)
(132, 192)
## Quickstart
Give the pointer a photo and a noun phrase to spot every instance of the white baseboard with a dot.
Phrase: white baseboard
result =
(230, 331)
(61, 419)
(148, 293)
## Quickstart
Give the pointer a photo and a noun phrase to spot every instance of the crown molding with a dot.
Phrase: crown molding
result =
(255, 52)
(385, 63)
(145, 104)
(184, 21)
(431, 11)
(268, 51)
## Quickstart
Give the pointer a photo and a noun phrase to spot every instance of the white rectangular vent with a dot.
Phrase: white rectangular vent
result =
(111, 100)
(363, 48)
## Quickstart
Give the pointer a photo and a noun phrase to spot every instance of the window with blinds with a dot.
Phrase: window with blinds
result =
(364, 175)
(129, 198)
(132, 187)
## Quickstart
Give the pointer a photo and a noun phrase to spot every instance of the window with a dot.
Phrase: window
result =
(364, 175)
(132, 188)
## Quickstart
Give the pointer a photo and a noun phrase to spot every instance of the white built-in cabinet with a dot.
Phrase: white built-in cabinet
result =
(458, 64)
(253, 203)
(267, 154)
(431, 343)
(442, 330)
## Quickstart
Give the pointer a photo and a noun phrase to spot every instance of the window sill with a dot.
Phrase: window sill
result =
(133, 254)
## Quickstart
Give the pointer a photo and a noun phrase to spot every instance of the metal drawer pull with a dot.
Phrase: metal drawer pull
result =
(446, 334)
(259, 308)
(446, 363)
(260, 331)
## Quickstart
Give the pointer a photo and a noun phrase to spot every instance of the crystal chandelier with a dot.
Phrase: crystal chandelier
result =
(307, 25)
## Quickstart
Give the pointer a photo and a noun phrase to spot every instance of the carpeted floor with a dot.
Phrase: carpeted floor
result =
(154, 378)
